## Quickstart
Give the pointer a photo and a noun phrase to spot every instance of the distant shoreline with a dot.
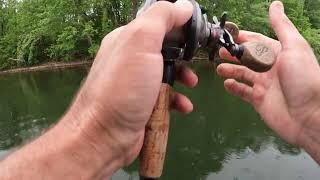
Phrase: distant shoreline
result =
(64, 65)
(47, 66)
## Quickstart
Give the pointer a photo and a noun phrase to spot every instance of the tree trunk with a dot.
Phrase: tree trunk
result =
(135, 7)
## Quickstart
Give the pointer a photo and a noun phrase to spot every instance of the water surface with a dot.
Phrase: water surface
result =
(223, 139)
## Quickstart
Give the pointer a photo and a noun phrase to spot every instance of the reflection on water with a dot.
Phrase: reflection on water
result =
(223, 139)
(32, 102)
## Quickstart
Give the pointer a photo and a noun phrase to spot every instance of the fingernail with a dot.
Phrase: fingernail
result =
(278, 5)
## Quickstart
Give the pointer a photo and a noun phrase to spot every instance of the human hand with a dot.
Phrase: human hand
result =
(288, 96)
(118, 97)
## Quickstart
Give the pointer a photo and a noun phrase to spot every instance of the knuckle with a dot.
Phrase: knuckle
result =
(247, 76)
(227, 85)
(250, 75)
(145, 31)
(163, 5)
(287, 22)
(256, 35)
(150, 24)
(139, 31)
(242, 77)
(230, 88)
(273, 23)
(139, 26)
(143, 27)
(258, 95)
(238, 90)
(233, 86)
(242, 92)
(106, 38)
(111, 35)
(163, 9)
(259, 36)
(239, 72)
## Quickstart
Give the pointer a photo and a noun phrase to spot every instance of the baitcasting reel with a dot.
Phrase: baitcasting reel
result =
(200, 33)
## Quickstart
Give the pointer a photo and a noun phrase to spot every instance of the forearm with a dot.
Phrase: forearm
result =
(59, 154)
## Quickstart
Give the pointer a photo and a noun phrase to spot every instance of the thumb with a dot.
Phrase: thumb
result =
(152, 25)
(286, 32)
(169, 15)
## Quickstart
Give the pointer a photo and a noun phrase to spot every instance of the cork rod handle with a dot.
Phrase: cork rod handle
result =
(155, 143)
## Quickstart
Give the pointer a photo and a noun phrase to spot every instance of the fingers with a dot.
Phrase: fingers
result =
(239, 89)
(286, 32)
(237, 72)
(181, 103)
(186, 76)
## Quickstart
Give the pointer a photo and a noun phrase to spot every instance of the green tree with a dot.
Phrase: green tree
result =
(312, 10)
(38, 31)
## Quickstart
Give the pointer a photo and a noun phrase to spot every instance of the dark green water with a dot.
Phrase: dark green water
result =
(223, 139)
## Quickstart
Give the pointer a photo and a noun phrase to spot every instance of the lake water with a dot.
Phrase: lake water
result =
(223, 139)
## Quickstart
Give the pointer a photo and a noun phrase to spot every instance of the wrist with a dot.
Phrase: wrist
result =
(309, 136)
(311, 144)
(95, 153)
(61, 153)
(105, 129)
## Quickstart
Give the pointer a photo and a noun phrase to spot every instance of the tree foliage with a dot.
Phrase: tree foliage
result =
(37, 31)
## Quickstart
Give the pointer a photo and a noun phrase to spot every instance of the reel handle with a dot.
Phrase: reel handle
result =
(254, 55)
(257, 56)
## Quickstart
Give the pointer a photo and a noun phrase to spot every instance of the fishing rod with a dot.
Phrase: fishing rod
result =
(182, 44)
